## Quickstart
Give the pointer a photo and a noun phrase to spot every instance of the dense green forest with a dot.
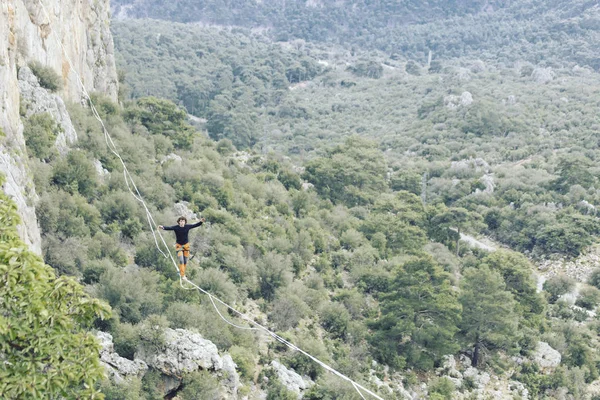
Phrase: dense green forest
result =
(517, 147)
(348, 272)
(337, 169)
(556, 32)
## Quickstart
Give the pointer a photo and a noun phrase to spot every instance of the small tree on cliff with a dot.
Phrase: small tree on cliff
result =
(45, 350)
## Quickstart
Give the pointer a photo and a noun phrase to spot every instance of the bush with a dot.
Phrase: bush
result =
(335, 319)
(558, 285)
(594, 278)
(589, 297)
(135, 294)
(126, 338)
(76, 174)
(274, 271)
(288, 310)
(245, 361)
(40, 132)
(443, 387)
(199, 386)
(46, 76)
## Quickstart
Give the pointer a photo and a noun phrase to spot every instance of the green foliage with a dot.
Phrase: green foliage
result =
(46, 350)
(594, 278)
(558, 285)
(40, 132)
(245, 361)
(76, 174)
(419, 304)
(443, 387)
(335, 319)
(369, 69)
(274, 271)
(352, 174)
(134, 294)
(488, 319)
(162, 117)
(588, 298)
(200, 386)
(47, 77)
(516, 270)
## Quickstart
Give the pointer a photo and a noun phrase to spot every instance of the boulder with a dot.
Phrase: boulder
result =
(289, 378)
(118, 368)
(546, 357)
(182, 209)
(543, 75)
(466, 99)
(183, 352)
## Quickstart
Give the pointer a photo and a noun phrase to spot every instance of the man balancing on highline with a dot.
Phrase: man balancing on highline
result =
(182, 246)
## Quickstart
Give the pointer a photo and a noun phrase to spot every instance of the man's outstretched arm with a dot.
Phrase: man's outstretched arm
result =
(197, 224)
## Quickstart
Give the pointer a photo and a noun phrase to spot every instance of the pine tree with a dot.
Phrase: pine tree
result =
(419, 316)
(488, 319)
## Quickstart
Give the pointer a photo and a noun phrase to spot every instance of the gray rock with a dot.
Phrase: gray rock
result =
(118, 368)
(289, 378)
(184, 351)
(100, 170)
(39, 100)
(546, 357)
(171, 157)
(183, 210)
(543, 75)
(466, 99)
(449, 367)
(232, 381)
(488, 181)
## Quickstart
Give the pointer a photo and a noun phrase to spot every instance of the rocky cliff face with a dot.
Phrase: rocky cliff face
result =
(28, 34)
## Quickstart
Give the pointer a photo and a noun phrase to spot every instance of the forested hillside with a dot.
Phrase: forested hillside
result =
(555, 32)
(516, 146)
(337, 169)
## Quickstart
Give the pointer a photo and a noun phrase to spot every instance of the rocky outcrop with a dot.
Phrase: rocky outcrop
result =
(182, 209)
(117, 367)
(35, 100)
(28, 34)
(289, 378)
(464, 100)
(183, 352)
(546, 357)
(543, 75)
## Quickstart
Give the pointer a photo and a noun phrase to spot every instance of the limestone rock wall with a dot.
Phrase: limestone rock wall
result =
(27, 34)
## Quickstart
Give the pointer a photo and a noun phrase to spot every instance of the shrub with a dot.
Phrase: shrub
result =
(594, 278)
(245, 361)
(274, 271)
(199, 385)
(126, 339)
(288, 310)
(134, 293)
(589, 297)
(335, 319)
(76, 174)
(40, 132)
(46, 76)
(443, 387)
(558, 285)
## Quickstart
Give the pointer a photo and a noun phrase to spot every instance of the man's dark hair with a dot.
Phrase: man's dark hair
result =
(181, 218)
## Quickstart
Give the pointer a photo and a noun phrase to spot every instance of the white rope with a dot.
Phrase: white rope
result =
(137, 195)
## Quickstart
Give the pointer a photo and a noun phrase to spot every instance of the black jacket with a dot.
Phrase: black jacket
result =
(181, 233)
